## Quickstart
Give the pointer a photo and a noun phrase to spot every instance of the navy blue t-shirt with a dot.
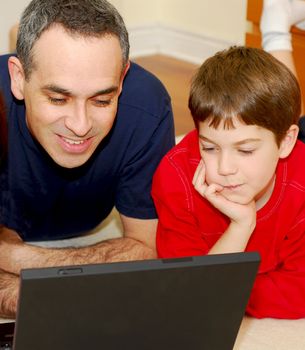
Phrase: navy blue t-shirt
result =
(43, 201)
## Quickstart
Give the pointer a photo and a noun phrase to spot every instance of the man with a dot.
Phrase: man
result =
(86, 132)
(277, 18)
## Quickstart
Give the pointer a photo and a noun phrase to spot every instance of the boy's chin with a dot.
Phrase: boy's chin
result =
(234, 198)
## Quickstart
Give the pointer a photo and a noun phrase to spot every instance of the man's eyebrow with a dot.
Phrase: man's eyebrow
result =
(56, 89)
(107, 91)
(238, 143)
(66, 92)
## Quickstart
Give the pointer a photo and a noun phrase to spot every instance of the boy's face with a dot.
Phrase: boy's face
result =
(242, 160)
(72, 93)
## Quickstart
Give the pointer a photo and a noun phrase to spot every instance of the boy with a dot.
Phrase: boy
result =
(237, 182)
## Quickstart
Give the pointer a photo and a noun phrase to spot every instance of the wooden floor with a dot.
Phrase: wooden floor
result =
(176, 75)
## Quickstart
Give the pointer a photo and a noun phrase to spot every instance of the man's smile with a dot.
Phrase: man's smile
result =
(75, 146)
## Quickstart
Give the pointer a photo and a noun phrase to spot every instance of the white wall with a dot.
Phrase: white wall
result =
(10, 11)
(165, 26)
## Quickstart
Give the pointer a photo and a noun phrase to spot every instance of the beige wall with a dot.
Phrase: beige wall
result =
(138, 12)
(219, 19)
(10, 10)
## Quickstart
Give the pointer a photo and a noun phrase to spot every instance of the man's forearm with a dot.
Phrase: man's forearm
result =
(9, 285)
(120, 249)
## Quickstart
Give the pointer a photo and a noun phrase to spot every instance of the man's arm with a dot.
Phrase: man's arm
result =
(9, 284)
(275, 24)
(138, 243)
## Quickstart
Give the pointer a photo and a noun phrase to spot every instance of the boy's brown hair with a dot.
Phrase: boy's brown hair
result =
(247, 83)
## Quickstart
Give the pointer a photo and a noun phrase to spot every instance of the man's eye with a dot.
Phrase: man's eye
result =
(102, 103)
(57, 101)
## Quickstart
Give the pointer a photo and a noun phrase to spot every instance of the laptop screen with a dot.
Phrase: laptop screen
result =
(186, 303)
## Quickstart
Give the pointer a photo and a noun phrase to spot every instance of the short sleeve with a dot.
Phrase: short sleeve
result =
(280, 293)
(178, 233)
(145, 125)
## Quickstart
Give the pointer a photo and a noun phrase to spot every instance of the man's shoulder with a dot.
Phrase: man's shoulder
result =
(4, 59)
(3, 66)
(143, 90)
(4, 77)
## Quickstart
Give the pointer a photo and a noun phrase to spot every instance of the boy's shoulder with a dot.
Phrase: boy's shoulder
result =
(186, 148)
(177, 167)
(184, 157)
(296, 164)
(298, 153)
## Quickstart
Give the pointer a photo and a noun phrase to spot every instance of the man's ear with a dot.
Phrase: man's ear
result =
(289, 141)
(17, 77)
(124, 72)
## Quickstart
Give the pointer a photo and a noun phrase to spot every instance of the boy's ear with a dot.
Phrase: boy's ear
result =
(17, 77)
(288, 142)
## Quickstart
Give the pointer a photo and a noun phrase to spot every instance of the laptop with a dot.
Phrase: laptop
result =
(185, 303)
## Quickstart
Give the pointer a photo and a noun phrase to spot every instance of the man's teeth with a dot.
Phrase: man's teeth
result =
(72, 142)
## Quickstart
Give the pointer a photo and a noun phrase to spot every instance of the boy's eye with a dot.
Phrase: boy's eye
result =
(208, 148)
(246, 151)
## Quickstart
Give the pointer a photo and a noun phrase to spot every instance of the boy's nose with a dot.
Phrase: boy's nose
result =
(226, 165)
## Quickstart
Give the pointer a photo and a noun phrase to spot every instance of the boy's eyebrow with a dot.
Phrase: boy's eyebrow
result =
(66, 92)
(242, 142)
(238, 143)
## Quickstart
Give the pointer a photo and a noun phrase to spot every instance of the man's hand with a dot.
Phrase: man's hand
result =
(10, 236)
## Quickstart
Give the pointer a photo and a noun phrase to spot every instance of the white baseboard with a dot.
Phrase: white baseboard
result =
(158, 39)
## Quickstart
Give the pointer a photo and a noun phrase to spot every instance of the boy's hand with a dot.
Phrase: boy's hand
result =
(240, 214)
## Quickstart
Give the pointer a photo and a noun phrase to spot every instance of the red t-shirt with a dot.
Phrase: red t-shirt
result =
(190, 225)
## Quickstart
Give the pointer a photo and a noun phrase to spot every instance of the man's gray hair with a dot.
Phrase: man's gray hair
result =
(86, 18)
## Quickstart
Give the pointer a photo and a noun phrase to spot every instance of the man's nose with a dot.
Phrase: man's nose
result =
(79, 120)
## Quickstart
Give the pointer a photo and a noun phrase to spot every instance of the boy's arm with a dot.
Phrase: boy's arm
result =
(179, 232)
(138, 243)
(280, 292)
(242, 217)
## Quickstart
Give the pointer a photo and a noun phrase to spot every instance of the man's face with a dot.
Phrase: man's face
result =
(242, 160)
(72, 94)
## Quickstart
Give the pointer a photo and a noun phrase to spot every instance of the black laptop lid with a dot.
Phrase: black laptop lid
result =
(188, 303)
